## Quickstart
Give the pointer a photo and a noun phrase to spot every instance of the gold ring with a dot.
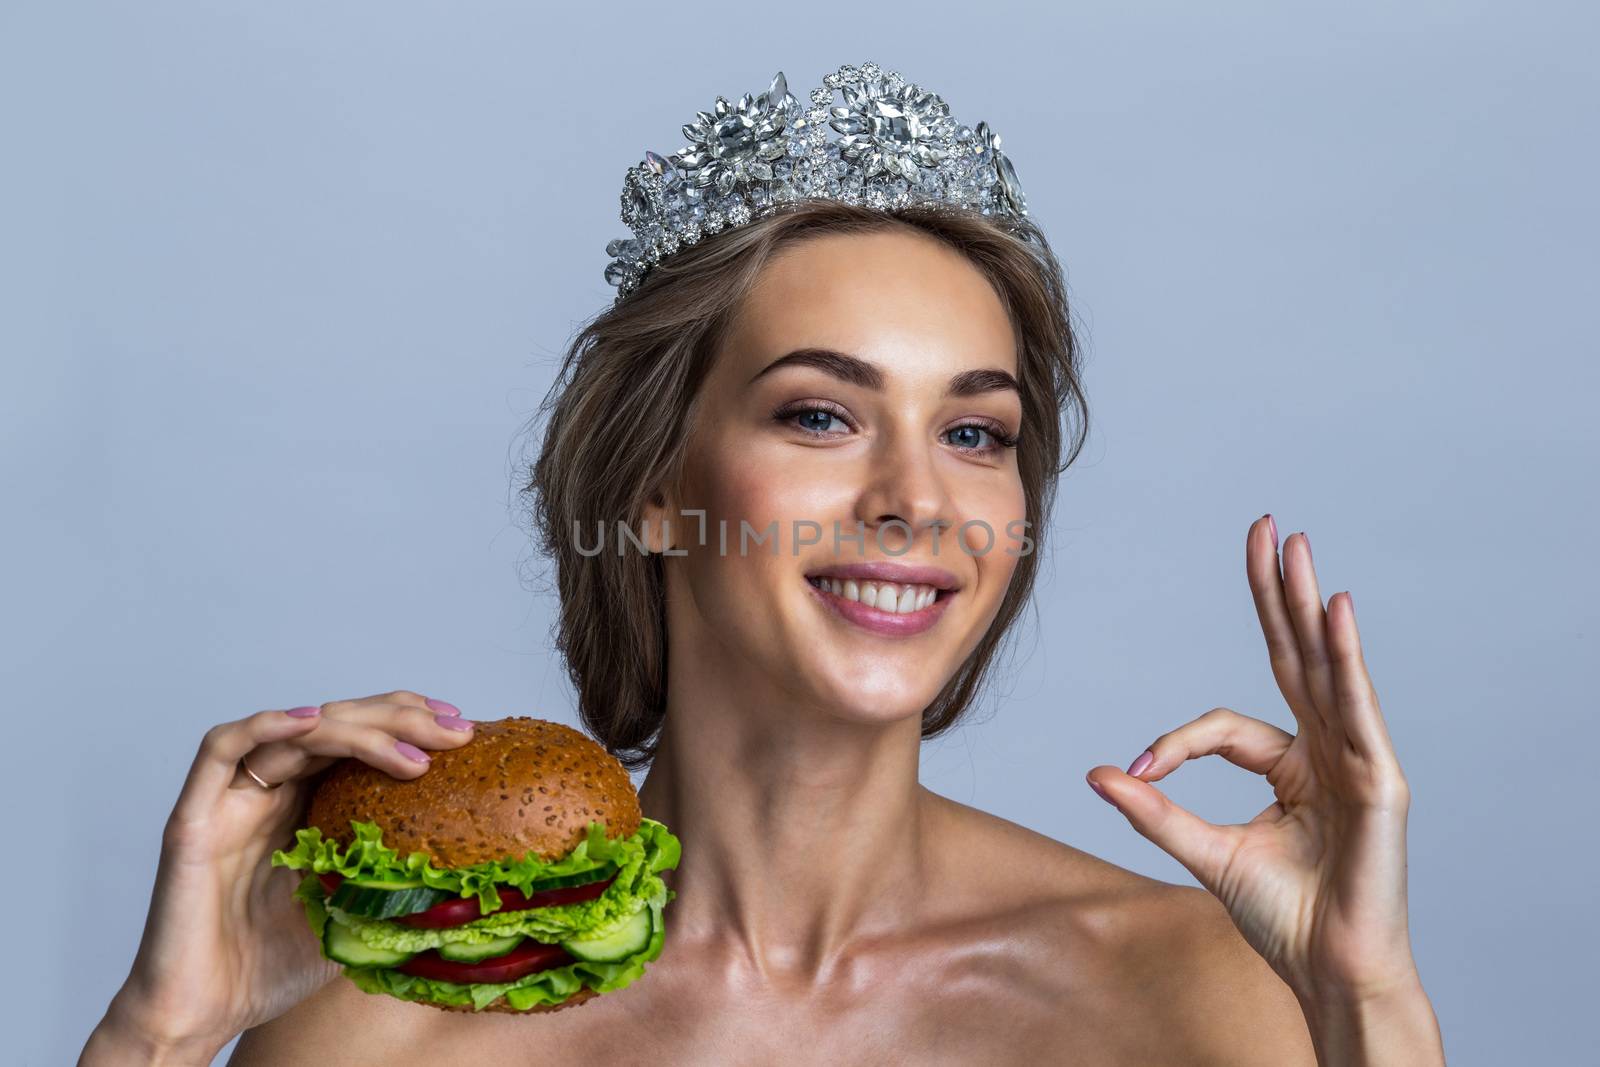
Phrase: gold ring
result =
(263, 783)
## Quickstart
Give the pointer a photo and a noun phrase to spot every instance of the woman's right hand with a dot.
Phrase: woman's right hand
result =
(225, 945)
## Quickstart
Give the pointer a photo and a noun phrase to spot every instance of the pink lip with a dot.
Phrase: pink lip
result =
(883, 622)
(900, 573)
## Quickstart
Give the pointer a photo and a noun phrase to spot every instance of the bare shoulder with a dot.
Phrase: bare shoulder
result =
(319, 1028)
(1123, 947)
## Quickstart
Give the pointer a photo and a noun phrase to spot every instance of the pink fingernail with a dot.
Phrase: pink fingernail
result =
(305, 712)
(1304, 537)
(1096, 787)
(1145, 759)
(411, 752)
(441, 707)
(1272, 524)
(453, 722)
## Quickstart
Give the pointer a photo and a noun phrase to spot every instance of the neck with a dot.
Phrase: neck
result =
(800, 833)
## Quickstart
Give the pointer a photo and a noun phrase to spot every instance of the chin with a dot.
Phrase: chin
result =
(897, 699)
(877, 716)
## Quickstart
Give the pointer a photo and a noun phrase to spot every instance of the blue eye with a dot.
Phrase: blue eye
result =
(998, 438)
(972, 437)
(814, 418)
(817, 419)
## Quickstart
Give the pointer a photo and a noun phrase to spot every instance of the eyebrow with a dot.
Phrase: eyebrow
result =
(857, 371)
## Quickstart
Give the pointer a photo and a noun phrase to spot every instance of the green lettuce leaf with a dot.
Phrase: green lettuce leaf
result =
(309, 892)
(368, 857)
(639, 857)
(542, 987)
(631, 887)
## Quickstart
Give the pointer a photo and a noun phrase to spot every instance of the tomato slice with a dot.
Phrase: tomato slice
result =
(330, 881)
(465, 909)
(526, 958)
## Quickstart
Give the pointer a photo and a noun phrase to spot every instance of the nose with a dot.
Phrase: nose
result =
(904, 484)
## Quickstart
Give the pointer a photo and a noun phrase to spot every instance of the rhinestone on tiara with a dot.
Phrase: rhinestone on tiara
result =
(896, 145)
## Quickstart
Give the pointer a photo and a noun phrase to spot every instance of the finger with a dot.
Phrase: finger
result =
(1203, 848)
(422, 726)
(413, 723)
(218, 758)
(409, 697)
(396, 753)
(1354, 693)
(1283, 650)
(1241, 740)
(1310, 626)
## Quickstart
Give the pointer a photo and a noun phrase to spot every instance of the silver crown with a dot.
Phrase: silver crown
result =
(898, 145)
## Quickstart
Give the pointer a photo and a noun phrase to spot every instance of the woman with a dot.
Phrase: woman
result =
(898, 372)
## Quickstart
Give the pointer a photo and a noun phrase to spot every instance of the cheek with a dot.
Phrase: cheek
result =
(995, 510)
(760, 484)
(736, 483)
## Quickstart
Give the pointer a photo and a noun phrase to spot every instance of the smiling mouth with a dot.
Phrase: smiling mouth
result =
(883, 598)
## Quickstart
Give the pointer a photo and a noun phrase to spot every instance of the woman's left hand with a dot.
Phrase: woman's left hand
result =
(1316, 883)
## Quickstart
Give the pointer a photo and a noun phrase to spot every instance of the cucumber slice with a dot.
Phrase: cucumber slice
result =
(371, 903)
(632, 938)
(462, 952)
(563, 881)
(340, 943)
(379, 883)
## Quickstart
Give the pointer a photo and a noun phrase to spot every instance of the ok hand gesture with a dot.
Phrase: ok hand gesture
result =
(1316, 882)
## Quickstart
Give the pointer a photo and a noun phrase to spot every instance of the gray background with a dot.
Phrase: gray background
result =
(283, 283)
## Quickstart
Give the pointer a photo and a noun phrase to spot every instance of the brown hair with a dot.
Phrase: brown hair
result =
(627, 387)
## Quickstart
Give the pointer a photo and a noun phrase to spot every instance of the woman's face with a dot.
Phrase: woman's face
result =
(867, 380)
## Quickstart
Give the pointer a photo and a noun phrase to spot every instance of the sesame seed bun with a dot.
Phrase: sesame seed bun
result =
(519, 785)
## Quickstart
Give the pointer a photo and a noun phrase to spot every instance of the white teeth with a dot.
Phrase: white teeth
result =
(885, 596)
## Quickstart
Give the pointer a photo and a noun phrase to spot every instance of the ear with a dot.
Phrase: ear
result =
(658, 512)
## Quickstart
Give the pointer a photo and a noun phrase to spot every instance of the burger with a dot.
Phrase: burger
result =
(516, 875)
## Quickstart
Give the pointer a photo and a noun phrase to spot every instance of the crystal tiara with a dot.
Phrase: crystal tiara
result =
(898, 145)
